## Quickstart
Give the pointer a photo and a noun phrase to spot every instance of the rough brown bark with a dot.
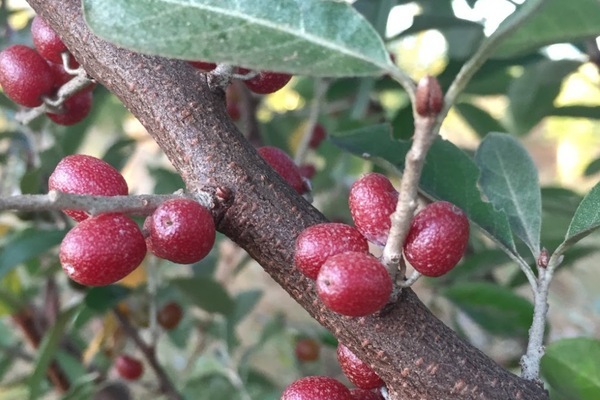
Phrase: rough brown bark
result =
(415, 353)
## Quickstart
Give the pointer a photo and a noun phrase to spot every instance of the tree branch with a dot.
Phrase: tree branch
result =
(414, 353)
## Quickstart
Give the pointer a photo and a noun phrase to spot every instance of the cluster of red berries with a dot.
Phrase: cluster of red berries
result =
(28, 76)
(105, 248)
(352, 282)
(362, 376)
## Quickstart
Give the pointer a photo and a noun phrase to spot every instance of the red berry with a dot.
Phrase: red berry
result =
(48, 43)
(363, 394)
(25, 76)
(372, 201)
(234, 111)
(169, 315)
(307, 349)
(61, 77)
(307, 170)
(318, 135)
(284, 166)
(203, 66)
(437, 238)
(359, 373)
(316, 388)
(81, 174)
(75, 109)
(102, 250)
(182, 231)
(319, 242)
(128, 367)
(354, 284)
(265, 82)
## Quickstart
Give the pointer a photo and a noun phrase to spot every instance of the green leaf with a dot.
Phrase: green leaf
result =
(103, 298)
(46, 351)
(586, 218)
(166, 181)
(119, 152)
(532, 94)
(572, 368)
(590, 112)
(205, 293)
(592, 168)
(449, 174)
(480, 120)
(558, 21)
(304, 37)
(495, 308)
(510, 181)
(25, 245)
(244, 304)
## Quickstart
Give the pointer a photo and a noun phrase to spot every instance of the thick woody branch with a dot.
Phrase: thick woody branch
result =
(415, 354)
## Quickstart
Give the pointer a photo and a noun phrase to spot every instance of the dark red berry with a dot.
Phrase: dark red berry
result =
(75, 109)
(81, 174)
(169, 315)
(102, 250)
(307, 349)
(354, 284)
(182, 231)
(316, 388)
(307, 170)
(61, 77)
(372, 201)
(429, 99)
(128, 367)
(48, 43)
(203, 66)
(437, 238)
(363, 394)
(265, 82)
(284, 166)
(359, 373)
(319, 242)
(234, 111)
(318, 135)
(25, 76)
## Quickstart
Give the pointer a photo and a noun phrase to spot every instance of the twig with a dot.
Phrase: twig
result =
(321, 87)
(55, 200)
(166, 387)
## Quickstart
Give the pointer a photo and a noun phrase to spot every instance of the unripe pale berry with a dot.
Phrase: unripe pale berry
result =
(363, 394)
(81, 174)
(359, 373)
(429, 99)
(284, 166)
(75, 109)
(437, 238)
(319, 242)
(48, 43)
(265, 82)
(354, 284)
(25, 76)
(169, 315)
(128, 367)
(372, 201)
(307, 349)
(316, 388)
(181, 231)
(102, 250)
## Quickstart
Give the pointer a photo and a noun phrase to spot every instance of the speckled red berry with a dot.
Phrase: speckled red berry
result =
(307, 350)
(307, 170)
(363, 394)
(354, 284)
(81, 174)
(128, 367)
(102, 250)
(316, 388)
(169, 315)
(284, 166)
(318, 135)
(437, 238)
(75, 109)
(182, 231)
(372, 201)
(319, 242)
(359, 373)
(265, 82)
(25, 76)
(48, 43)
(203, 66)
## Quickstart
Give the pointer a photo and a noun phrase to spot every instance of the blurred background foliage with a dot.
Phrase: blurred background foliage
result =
(239, 329)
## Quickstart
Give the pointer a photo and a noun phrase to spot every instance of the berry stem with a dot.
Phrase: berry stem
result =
(221, 76)
(411, 280)
(166, 387)
(320, 87)
(55, 200)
